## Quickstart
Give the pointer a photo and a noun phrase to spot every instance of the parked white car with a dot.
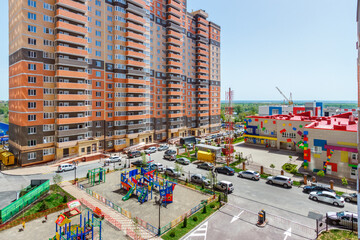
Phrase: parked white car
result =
(225, 186)
(284, 181)
(113, 159)
(66, 167)
(150, 150)
(198, 178)
(249, 174)
(327, 197)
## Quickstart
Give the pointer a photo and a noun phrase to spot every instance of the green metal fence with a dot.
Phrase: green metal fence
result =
(13, 208)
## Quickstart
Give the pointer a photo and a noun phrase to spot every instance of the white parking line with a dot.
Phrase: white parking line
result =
(200, 232)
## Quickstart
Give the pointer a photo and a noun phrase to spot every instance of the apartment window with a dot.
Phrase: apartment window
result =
(31, 130)
(31, 16)
(98, 114)
(31, 79)
(48, 151)
(31, 92)
(32, 156)
(98, 33)
(48, 6)
(98, 13)
(32, 117)
(98, 53)
(48, 18)
(98, 94)
(49, 67)
(32, 3)
(48, 30)
(48, 43)
(48, 127)
(48, 139)
(109, 8)
(98, 74)
(98, 3)
(98, 104)
(48, 91)
(31, 29)
(48, 55)
(49, 115)
(98, 43)
(98, 23)
(31, 143)
(31, 105)
(31, 41)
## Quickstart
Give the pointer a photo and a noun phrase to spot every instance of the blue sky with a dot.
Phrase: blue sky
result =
(306, 47)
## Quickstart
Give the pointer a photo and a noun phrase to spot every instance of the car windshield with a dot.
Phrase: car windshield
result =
(229, 168)
(338, 197)
(203, 177)
(340, 214)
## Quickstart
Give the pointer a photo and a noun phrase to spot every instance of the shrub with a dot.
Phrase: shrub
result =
(195, 218)
(272, 165)
(202, 185)
(320, 173)
(43, 206)
(344, 181)
(212, 205)
(108, 170)
(204, 209)
(172, 233)
(219, 200)
(185, 222)
(65, 199)
(87, 175)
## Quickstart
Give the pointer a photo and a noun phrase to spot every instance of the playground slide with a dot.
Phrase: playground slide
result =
(129, 193)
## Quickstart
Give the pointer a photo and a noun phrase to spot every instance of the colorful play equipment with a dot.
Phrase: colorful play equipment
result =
(96, 176)
(331, 152)
(85, 230)
(143, 183)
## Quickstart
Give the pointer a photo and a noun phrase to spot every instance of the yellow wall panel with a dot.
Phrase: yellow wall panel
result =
(344, 156)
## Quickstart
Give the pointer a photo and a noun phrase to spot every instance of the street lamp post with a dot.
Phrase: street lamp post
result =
(159, 202)
(75, 164)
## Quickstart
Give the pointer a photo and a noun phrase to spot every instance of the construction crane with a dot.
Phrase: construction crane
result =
(289, 100)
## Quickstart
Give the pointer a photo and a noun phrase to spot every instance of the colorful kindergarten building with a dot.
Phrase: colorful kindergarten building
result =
(316, 108)
(102, 75)
(327, 143)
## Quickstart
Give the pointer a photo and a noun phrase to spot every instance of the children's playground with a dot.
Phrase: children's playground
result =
(135, 190)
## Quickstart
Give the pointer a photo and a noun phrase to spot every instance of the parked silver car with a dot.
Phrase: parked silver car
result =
(253, 175)
(350, 197)
(183, 161)
(198, 178)
(225, 186)
(150, 150)
(113, 159)
(327, 197)
(170, 157)
(344, 218)
(286, 182)
(170, 171)
(66, 167)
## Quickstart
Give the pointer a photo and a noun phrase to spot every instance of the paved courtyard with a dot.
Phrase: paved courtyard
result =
(37, 229)
(183, 200)
(265, 157)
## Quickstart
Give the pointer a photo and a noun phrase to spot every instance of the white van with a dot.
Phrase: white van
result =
(66, 167)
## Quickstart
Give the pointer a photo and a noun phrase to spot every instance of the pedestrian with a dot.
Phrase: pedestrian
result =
(23, 225)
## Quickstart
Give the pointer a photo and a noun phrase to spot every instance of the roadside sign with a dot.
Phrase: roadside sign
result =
(73, 204)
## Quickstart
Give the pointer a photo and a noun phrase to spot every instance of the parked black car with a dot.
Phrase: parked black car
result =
(133, 154)
(225, 170)
(309, 189)
(139, 163)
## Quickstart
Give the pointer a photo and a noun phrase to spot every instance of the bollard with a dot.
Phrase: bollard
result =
(177, 150)
(282, 172)
(313, 179)
(332, 184)
(305, 179)
(244, 166)
(261, 170)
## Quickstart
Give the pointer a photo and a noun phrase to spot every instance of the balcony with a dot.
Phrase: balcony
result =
(203, 89)
(135, 9)
(202, 21)
(71, 16)
(173, 19)
(175, 108)
(174, 11)
(174, 71)
(135, 81)
(136, 126)
(135, 72)
(71, 4)
(136, 90)
(175, 115)
(135, 54)
(71, 74)
(174, 34)
(198, 76)
(173, 78)
(135, 36)
(70, 27)
(203, 101)
(174, 41)
(71, 97)
(70, 39)
(139, 3)
(71, 132)
(174, 56)
(173, 63)
(203, 108)
(71, 62)
(134, 18)
(202, 27)
(174, 100)
(135, 63)
(202, 45)
(71, 51)
(64, 85)
(202, 39)
(135, 108)
(175, 93)
(202, 33)
(135, 27)
(200, 70)
(202, 52)
(174, 26)
(71, 109)
(136, 117)
(201, 64)
(173, 48)
(203, 95)
(172, 85)
(135, 45)
(201, 58)
(71, 120)
(135, 99)
(204, 115)
(174, 4)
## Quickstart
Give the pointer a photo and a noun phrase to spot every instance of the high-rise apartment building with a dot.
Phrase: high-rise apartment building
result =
(101, 75)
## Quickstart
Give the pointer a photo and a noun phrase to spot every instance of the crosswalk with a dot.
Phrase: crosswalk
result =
(199, 234)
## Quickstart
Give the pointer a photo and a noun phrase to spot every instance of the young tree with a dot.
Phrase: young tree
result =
(144, 160)
(272, 166)
(179, 168)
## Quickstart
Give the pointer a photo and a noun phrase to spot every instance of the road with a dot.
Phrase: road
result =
(251, 196)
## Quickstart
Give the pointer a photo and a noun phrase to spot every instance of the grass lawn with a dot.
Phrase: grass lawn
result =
(180, 231)
(52, 200)
(337, 234)
(238, 140)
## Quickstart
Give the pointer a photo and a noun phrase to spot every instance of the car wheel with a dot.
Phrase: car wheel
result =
(228, 174)
(241, 176)
(253, 179)
(347, 199)
(270, 182)
(335, 204)
(333, 222)
(314, 198)
(285, 185)
(198, 166)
